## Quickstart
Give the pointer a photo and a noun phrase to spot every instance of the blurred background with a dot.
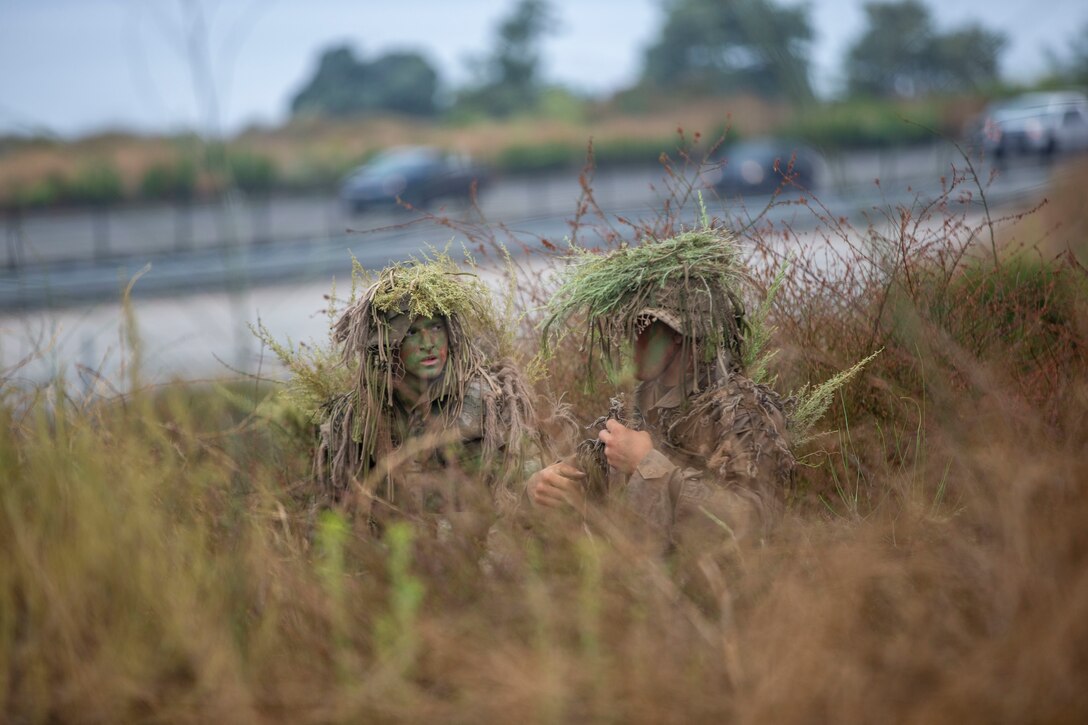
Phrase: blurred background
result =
(236, 154)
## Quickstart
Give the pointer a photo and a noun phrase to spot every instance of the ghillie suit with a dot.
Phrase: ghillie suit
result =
(458, 454)
(721, 457)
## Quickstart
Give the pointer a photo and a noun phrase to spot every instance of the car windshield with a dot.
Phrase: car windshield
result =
(768, 149)
(399, 161)
(1034, 105)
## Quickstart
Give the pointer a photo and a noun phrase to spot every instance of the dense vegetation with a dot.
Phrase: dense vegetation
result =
(164, 559)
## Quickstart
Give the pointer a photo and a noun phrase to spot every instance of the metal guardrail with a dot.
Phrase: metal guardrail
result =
(306, 238)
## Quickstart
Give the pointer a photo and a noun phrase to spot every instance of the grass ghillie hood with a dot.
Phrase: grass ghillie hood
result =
(691, 283)
(358, 431)
(371, 329)
(688, 282)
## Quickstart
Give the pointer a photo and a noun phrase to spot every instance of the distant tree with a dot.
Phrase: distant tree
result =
(891, 53)
(409, 83)
(509, 78)
(344, 85)
(901, 54)
(336, 87)
(1071, 67)
(966, 59)
(712, 46)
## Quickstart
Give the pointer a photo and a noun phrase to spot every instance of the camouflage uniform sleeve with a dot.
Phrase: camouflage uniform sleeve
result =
(678, 504)
(737, 434)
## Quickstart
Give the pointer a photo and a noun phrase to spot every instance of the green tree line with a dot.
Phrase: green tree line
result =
(703, 47)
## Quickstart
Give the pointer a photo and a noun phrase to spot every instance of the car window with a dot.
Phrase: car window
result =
(400, 162)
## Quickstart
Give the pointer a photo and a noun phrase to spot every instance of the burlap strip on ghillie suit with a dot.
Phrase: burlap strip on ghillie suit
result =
(728, 439)
(721, 450)
(485, 403)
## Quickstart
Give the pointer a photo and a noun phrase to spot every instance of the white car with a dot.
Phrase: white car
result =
(1035, 124)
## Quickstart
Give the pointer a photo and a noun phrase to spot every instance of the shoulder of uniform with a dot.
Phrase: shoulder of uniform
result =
(738, 395)
(740, 426)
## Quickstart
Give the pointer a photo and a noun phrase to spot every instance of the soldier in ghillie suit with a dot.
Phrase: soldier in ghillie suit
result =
(702, 454)
(430, 427)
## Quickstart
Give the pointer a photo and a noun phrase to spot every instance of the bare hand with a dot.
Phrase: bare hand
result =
(558, 485)
(624, 448)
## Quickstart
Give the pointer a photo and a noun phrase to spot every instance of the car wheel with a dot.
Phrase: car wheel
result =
(803, 181)
(1050, 149)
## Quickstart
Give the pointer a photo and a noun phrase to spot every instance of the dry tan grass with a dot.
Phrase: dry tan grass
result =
(159, 589)
(164, 558)
(129, 155)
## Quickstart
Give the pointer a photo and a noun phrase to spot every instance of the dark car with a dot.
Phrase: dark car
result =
(761, 166)
(419, 176)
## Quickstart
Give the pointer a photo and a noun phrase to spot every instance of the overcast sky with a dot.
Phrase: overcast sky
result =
(77, 66)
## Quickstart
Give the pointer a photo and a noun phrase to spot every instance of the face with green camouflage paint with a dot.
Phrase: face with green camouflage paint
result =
(423, 353)
(656, 347)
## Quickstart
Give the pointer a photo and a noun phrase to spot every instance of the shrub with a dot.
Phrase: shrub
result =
(314, 171)
(861, 124)
(537, 157)
(174, 181)
(251, 172)
(45, 192)
(613, 151)
(97, 184)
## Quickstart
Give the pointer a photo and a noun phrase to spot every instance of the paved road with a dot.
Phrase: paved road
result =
(197, 304)
(56, 260)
